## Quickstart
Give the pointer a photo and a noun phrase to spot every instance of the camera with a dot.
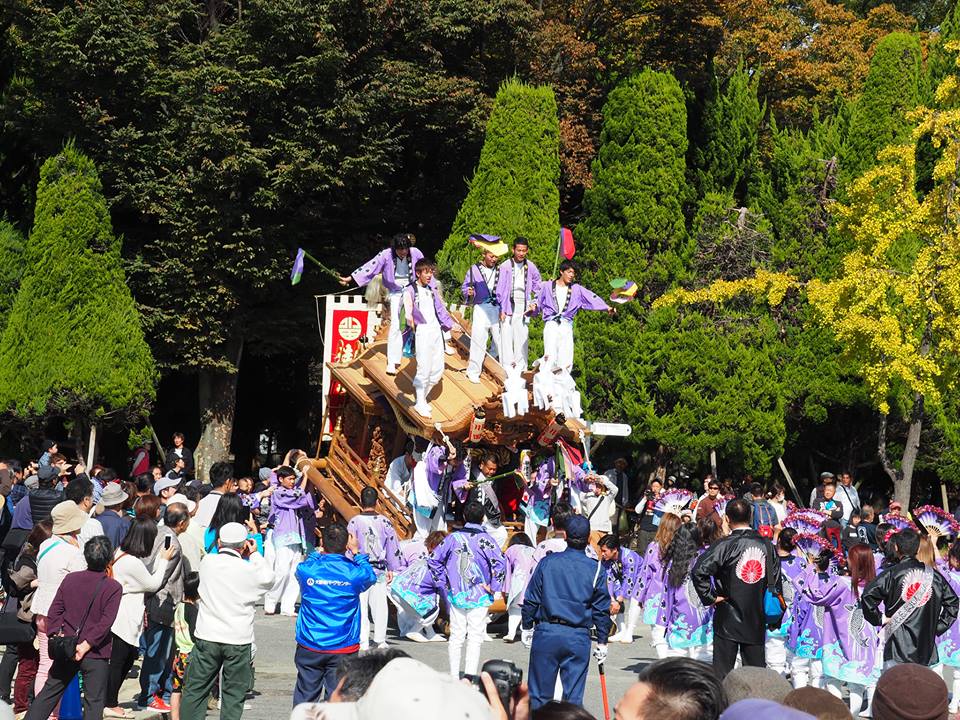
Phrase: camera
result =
(506, 677)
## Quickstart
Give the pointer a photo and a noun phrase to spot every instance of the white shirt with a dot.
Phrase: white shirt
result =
(56, 559)
(230, 589)
(401, 273)
(607, 502)
(488, 274)
(849, 499)
(398, 475)
(136, 581)
(562, 291)
(519, 279)
(425, 303)
(205, 509)
(91, 529)
(191, 548)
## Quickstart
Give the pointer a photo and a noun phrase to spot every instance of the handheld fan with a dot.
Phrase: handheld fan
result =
(814, 544)
(803, 523)
(899, 523)
(673, 501)
(937, 522)
(623, 290)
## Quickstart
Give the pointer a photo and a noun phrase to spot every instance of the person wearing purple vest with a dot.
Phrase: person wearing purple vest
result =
(559, 302)
(377, 538)
(470, 567)
(395, 266)
(479, 291)
(425, 312)
(518, 282)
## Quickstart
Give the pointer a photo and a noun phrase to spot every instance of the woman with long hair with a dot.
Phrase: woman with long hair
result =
(927, 554)
(520, 566)
(137, 581)
(230, 509)
(804, 640)
(948, 644)
(792, 566)
(850, 644)
(652, 581)
(689, 624)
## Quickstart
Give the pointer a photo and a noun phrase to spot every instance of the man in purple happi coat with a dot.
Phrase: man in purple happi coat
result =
(377, 538)
(430, 493)
(395, 267)
(518, 283)
(471, 568)
(479, 286)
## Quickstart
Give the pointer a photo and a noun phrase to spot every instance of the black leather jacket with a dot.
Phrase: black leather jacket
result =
(915, 640)
(739, 568)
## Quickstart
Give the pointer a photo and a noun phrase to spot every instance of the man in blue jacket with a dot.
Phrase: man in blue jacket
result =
(328, 625)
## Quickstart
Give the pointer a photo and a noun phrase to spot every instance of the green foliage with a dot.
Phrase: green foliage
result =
(634, 226)
(73, 345)
(11, 268)
(941, 61)
(894, 86)
(727, 155)
(514, 188)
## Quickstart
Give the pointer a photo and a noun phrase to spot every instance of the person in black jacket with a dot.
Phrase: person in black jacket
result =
(733, 576)
(183, 454)
(918, 605)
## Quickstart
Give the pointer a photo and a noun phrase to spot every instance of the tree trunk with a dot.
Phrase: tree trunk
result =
(218, 402)
(902, 477)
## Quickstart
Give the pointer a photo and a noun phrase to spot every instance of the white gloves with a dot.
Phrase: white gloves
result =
(526, 637)
(600, 653)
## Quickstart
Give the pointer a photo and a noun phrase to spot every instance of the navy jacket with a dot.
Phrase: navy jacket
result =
(570, 587)
(330, 585)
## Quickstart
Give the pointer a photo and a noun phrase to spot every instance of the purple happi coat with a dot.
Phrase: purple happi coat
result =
(651, 587)
(413, 311)
(504, 290)
(805, 634)
(292, 518)
(416, 587)
(378, 540)
(688, 623)
(520, 565)
(411, 551)
(851, 646)
(791, 567)
(578, 298)
(384, 264)
(623, 575)
(948, 644)
(481, 292)
(470, 566)
(539, 491)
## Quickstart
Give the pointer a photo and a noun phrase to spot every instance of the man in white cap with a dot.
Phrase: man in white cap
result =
(178, 519)
(113, 520)
(232, 583)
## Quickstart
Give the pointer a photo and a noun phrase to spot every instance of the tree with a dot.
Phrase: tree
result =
(513, 191)
(727, 155)
(73, 345)
(11, 262)
(894, 307)
(893, 87)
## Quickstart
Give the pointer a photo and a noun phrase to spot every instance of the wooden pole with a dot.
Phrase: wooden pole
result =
(713, 464)
(92, 445)
(156, 441)
(793, 488)
(943, 495)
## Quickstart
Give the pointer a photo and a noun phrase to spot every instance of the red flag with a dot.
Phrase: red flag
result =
(567, 248)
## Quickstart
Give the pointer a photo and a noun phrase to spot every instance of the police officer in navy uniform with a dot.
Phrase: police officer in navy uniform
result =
(566, 597)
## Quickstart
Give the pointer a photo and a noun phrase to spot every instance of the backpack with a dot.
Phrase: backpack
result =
(764, 518)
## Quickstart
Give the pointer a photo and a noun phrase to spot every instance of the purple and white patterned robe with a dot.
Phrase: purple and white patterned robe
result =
(578, 298)
(520, 565)
(851, 646)
(378, 540)
(384, 264)
(688, 623)
(623, 575)
(470, 566)
(292, 518)
(411, 551)
(805, 634)
(481, 291)
(504, 289)
(791, 566)
(540, 490)
(652, 584)
(416, 587)
(948, 644)
(415, 315)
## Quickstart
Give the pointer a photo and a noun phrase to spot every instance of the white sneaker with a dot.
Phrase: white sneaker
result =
(391, 369)
(383, 645)
(437, 638)
(626, 639)
(422, 410)
(416, 637)
(448, 349)
(617, 637)
(474, 379)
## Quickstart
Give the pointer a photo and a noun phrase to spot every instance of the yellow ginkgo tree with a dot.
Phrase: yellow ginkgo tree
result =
(894, 305)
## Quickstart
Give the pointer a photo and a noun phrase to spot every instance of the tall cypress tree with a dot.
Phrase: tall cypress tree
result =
(11, 268)
(73, 345)
(514, 190)
(894, 86)
(727, 155)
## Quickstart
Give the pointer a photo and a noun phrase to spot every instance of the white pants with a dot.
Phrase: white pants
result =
(955, 688)
(426, 525)
(806, 672)
(469, 625)
(531, 529)
(558, 344)
(373, 602)
(499, 534)
(514, 341)
(658, 639)
(513, 620)
(394, 335)
(486, 323)
(429, 360)
(627, 620)
(285, 588)
(776, 653)
(856, 694)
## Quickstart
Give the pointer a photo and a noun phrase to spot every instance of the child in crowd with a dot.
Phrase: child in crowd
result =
(184, 627)
(251, 498)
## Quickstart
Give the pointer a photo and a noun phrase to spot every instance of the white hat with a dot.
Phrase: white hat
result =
(163, 483)
(233, 533)
(181, 498)
(405, 689)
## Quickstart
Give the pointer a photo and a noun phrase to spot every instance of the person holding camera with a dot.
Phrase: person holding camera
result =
(566, 597)
(232, 582)
(78, 624)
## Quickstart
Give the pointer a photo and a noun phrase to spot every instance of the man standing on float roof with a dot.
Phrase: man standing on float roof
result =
(479, 290)
(517, 287)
